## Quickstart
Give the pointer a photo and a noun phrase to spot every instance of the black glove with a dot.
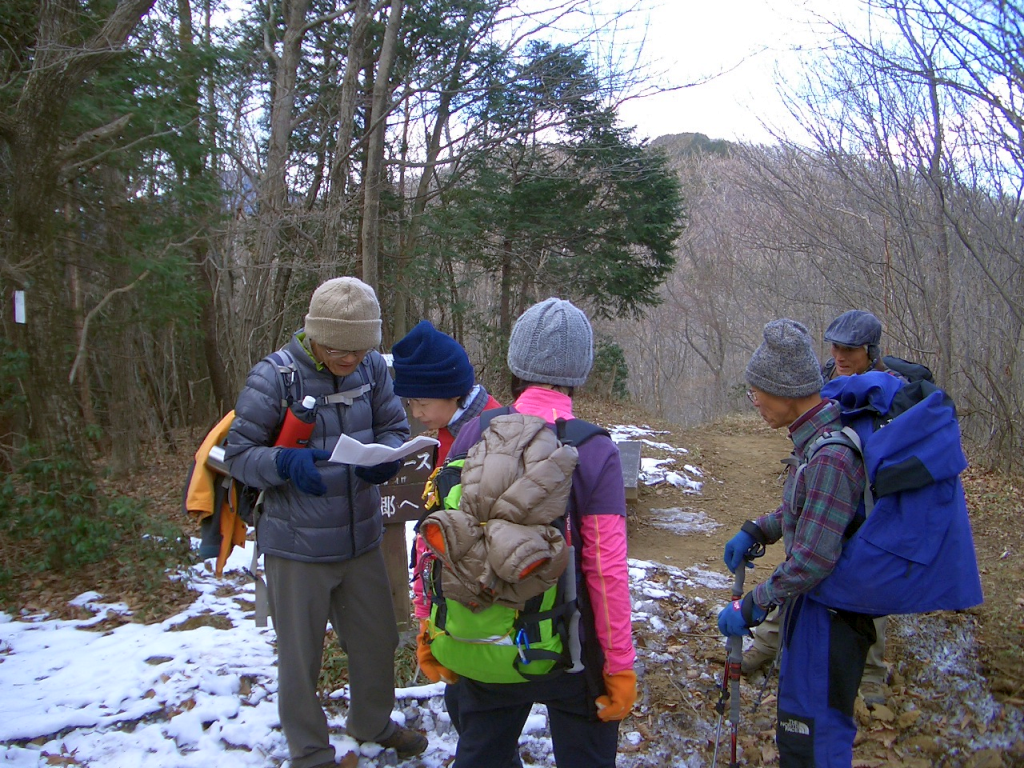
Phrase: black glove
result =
(379, 473)
(297, 465)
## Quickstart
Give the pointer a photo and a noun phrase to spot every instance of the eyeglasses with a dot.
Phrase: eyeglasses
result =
(341, 354)
(752, 396)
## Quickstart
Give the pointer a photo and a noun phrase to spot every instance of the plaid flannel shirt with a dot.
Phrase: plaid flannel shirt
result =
(815, 510)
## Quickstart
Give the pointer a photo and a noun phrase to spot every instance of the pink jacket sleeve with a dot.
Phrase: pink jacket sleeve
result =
(420, 605)
(602, 508)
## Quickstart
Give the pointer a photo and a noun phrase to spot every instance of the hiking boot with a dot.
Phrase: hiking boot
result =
(755, 659)
(872, 693)
(406, 742)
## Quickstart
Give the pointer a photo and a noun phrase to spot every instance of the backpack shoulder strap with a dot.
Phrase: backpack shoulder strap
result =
(572, 432)
(349, 396)
(846, 436)
(486, 417)
(576, 432)
(283, 361)
(285, 364)
(910, 370)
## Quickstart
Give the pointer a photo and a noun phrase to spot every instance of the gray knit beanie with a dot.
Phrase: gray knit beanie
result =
(344, 314)
(552, 343)
(784, 365)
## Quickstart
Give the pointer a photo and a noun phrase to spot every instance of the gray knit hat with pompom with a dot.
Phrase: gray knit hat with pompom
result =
(785, 365)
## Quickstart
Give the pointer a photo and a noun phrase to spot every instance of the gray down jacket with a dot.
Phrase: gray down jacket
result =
(346, 522)
(499, 546)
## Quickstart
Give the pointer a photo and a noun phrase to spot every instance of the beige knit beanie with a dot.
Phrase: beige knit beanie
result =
(344, 314)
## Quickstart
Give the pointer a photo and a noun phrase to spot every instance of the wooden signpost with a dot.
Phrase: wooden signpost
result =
(401, 502)
(629, 453)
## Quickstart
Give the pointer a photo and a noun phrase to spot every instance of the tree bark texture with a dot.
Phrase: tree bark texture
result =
(33, 259)
(374, 170)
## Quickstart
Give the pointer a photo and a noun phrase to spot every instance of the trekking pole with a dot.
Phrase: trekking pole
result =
(733, 662)
(730, 690)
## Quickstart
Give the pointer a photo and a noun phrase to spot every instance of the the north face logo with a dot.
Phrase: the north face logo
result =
(795, 726)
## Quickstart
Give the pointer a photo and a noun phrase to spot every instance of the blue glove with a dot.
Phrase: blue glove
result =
(736, 550)
(379, 473)
(297, 465)
(739, 616)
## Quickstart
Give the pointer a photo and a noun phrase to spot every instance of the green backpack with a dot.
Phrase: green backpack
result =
(500, 644)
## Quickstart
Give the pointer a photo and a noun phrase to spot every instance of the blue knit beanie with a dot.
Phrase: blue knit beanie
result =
(430, 364)
(552, 343)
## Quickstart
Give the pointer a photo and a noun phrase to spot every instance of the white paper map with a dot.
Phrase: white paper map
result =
(351, 451)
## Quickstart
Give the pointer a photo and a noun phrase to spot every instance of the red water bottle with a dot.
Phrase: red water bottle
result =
(299, 421)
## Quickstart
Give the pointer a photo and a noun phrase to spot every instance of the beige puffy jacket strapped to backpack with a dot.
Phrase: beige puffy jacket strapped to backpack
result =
(499, 547)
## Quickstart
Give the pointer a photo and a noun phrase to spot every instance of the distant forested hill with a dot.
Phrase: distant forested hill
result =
(681, 144)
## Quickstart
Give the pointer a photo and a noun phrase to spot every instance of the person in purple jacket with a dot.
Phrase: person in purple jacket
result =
(550, 354)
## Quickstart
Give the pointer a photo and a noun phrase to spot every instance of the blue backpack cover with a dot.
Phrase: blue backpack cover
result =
(914, 551)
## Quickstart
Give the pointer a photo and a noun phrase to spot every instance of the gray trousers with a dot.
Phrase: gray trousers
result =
(355, 596)
(766, 639)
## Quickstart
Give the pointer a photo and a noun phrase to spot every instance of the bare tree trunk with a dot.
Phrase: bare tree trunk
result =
(340, 167)
(401, 321)
(200, 246)
(32, 258)
(271, 284)
(78, 301)
(505, 300)
(374, 170)
(944, 301)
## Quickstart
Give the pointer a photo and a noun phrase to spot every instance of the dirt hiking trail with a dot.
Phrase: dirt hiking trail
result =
(940, 709)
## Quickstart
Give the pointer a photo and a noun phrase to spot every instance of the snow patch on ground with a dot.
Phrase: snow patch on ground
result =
(640, 434)
(632, 431)
(683, 522)
(655, 471)
(948, 671)
(166, 696)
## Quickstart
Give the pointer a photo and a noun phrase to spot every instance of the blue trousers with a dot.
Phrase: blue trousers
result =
(490, 718)
(823, 654)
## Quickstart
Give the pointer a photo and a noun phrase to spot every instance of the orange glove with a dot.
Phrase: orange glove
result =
(621, 688)
(431, 667)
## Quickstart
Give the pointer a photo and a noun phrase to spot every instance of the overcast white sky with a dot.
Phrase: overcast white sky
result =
(746, 39)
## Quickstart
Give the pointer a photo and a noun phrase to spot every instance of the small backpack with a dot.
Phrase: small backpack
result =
(224, 506)
(910, 371)
(498, 641)
(909, 548)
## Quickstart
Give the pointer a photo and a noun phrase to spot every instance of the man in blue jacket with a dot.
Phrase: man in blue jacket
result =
(825, 649)
(321, 528)
(855, 338)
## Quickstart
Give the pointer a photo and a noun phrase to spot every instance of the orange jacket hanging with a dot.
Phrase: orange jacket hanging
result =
(201, 495)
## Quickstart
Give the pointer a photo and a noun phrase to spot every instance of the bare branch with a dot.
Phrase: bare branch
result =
(83, 141)
(92, 313)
